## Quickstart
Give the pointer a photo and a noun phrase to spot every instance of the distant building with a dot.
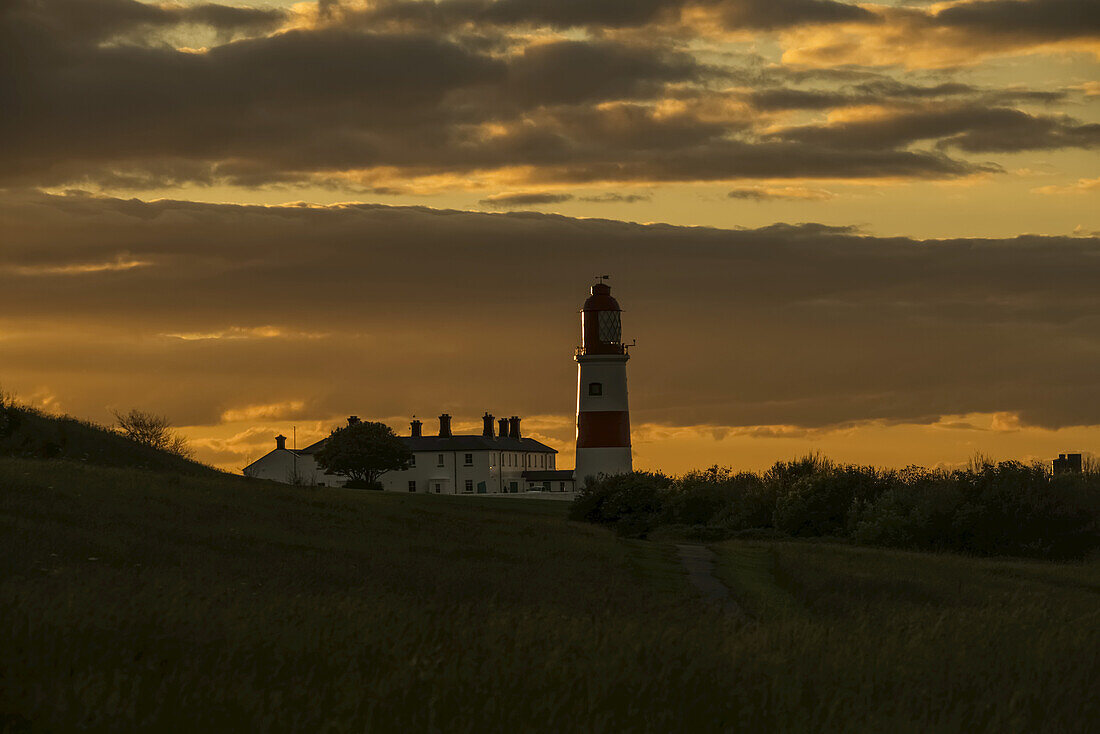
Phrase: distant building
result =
(498, 461)
(1068, 464)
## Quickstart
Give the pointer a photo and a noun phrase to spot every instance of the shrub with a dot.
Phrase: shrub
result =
(632, 503)
(917, 512)
(825, 502)
(989, 509)
(364, 484)
(1013, 509)
(698, 496)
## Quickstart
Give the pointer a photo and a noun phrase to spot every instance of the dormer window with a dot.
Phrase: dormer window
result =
(595, 388)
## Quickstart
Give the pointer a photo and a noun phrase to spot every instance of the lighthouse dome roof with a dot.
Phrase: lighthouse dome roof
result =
(601, 299)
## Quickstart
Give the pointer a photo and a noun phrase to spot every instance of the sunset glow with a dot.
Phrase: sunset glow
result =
(869, 230)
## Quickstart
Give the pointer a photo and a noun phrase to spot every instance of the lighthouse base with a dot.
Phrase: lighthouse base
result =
(609, 461)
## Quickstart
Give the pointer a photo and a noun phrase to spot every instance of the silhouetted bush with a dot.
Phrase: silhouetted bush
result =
(631, 503)
(698, 496)
(364, 484)
(988, 509)
(917, 512)
(822, 503)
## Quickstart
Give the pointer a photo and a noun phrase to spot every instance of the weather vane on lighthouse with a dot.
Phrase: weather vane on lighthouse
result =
(603, 414)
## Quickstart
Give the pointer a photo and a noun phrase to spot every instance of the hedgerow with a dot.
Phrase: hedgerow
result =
(1005, 508)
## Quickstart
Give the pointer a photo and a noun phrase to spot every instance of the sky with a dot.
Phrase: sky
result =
(868, 230)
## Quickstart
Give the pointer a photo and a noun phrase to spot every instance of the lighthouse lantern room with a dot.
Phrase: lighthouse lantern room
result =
(603, 414)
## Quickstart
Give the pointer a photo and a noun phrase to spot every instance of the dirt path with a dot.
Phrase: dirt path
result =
(698, 561)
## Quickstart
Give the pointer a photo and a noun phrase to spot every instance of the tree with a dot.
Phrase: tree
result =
(363, 452)
(152, 430)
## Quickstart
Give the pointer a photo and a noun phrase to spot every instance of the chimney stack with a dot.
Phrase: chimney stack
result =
(487, 429)
(352, 420)
(445, 425)
(502, 424)
(416, 428)
(513, 427)
(280, 442)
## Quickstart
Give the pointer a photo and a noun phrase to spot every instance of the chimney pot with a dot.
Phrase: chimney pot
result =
(513, 427)
(487, 428)
(416, 427)
(280, 441)
(445, 426)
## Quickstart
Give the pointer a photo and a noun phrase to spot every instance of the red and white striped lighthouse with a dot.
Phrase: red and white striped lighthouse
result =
(603, 415)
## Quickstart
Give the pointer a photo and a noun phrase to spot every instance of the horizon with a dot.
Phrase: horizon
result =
(869, 231)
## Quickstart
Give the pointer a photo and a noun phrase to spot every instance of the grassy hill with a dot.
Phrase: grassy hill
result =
(133, 599)
(28, 433)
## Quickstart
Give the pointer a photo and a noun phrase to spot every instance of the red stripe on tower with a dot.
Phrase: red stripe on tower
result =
(603, 429)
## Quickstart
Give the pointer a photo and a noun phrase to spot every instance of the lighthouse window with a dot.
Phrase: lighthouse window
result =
(611, 329)
(595, 388)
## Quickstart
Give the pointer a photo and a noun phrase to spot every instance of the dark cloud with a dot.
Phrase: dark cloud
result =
(891, 91)
(969, 127)
(775, 14)
(771, 193)
(1034, 19)
(86, 21)
(342, 107)
(361, 308)
(507, 201)
(609, 14)
(579, 71)
(616, 198)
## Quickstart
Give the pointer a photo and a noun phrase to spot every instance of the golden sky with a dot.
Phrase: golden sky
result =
(864, 229)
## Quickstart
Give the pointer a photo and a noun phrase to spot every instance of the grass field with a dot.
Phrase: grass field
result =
(139, 600)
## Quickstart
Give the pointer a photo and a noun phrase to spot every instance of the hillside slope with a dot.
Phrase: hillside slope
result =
(138, 600)
(29, 433)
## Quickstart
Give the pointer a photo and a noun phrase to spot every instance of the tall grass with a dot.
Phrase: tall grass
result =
(135, 600)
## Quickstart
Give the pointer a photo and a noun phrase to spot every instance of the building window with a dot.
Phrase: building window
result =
(469, 485)
(595, 388)
(412, 462)
(561, 486)
(412, 485)
(468, 460)
(439, 461)
(438, 487)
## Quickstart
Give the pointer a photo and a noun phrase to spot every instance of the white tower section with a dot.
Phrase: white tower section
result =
(603, 413)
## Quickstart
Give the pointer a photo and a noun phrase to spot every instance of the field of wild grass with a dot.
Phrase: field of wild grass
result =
(136, 600)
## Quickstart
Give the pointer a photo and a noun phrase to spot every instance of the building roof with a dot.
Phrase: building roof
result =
(554, 475)
(459, 443)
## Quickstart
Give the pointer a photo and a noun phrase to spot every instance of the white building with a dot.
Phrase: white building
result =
(498, 461)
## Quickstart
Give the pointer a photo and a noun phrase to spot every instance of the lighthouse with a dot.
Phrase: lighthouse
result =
(603, 415)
